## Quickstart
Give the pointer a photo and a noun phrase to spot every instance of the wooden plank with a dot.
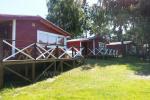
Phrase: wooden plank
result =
(14, 62)
(16, 73)
(67, 64)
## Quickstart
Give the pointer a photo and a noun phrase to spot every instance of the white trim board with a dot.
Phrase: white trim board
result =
(13, 35)
(50, 33)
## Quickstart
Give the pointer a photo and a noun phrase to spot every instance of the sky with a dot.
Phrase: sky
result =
(27, 7)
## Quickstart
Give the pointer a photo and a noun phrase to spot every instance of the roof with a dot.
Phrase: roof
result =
(6, 17)
(94, 37)
(119, 43)
(80, 39)
(86, 39)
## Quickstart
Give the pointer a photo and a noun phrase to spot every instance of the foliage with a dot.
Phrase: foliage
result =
(140, 28)
(86, 21)
(67, 14)
(98, 16)
(119, 15)
(143, 9)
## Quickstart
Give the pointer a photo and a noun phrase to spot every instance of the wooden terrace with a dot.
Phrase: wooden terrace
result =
(32, 54)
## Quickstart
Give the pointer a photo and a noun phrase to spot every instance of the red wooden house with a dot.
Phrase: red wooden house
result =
(90, 43)
(24, 30)
(128, 47)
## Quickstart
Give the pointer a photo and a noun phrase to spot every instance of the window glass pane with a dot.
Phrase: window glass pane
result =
(45, 37)
(60, 40)
(52, 39)
(42, 38)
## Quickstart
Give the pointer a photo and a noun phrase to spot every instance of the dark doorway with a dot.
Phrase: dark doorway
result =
(5, 34)
(5, 29)
(85, 46)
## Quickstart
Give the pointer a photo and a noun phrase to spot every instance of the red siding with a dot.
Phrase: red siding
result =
(74, 44)
(116, 47)
(25, 32)
(121, 48)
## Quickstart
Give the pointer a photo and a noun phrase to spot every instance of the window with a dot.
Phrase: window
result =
(42, 38)
(52, 39)
(60, 40)
(101, 45)
(49, 38)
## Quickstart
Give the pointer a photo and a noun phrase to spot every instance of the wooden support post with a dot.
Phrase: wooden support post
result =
(57, 51)
(1, 64)
(33, 72)
(61, 66)
(55, 69)
(74, 63)
(72, 52)
(26, 71)
(1, 75)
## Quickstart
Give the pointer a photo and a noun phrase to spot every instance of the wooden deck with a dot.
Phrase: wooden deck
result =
(6, 66)
(34, 54)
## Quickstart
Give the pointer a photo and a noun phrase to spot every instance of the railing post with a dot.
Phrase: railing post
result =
(34, 50)
(1, 64)
(72, 52)
(57, 52)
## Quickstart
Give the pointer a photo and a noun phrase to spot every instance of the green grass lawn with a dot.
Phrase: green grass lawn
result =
(111, 79)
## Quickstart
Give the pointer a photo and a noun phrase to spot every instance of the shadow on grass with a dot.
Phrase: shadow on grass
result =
(135, 64)
(140, 68)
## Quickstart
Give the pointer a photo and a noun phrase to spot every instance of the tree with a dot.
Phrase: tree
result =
(67, 14)
(99, 21)
(86, 21)
(140, 26)
(143, 9)
(119, 15)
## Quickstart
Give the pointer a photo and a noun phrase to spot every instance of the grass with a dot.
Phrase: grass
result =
(111, 79)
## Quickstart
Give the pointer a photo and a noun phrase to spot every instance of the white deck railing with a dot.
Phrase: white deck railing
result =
(36, 51)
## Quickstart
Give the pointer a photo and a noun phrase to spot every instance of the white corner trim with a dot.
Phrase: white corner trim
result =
(13, 35)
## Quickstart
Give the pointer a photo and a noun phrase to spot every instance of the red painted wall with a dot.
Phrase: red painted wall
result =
(25, 33)
(74, 44)
(116, 47)
(120, 48)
